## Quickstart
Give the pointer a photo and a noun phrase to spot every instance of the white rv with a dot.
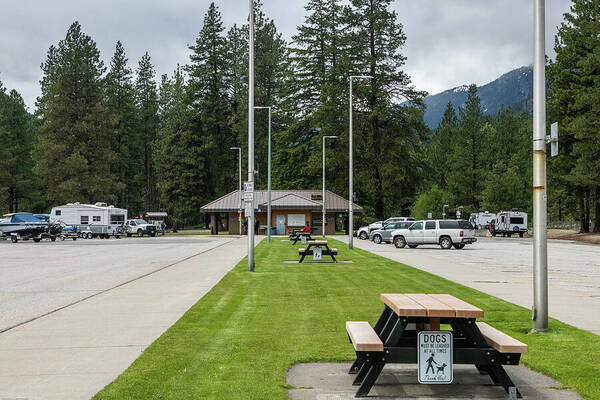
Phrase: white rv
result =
(508, 223)
(92, 220)
(482, 220)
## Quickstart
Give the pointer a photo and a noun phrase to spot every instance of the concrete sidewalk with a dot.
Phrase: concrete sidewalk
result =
(73, 353)
(329, 381)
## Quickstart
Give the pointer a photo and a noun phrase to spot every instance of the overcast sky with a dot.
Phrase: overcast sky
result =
(450, 42)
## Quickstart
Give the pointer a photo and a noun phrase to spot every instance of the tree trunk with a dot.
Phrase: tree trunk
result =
(11, 200)
(597, 210)
(581, 206)
(587, 210)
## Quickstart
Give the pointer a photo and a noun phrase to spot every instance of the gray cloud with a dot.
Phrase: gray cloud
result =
(449, 43)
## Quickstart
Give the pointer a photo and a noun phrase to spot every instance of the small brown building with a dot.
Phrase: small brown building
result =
(290, 209)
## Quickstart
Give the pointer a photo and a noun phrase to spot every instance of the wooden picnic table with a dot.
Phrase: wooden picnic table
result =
(299, 236)
(393, 339)
(326, 251)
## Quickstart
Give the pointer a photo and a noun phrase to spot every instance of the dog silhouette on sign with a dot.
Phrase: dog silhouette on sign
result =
(441, 369)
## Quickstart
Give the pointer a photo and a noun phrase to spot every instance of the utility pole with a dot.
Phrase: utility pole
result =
(239, 149)
(268, 178)
(250, 202)
(351, 177)
(324, 204)
(540, 243)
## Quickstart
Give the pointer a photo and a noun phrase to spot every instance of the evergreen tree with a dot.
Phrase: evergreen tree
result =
(389, 137)
(17, 137)
(208, 92)
(316, 52)
(465, 171)
(125, 139)
(441, 142)
(178, 152)
(574, 91)
(73, 156)
(146, 100)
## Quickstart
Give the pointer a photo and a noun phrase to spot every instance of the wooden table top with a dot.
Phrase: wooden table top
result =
(317, 242)
(430, 305)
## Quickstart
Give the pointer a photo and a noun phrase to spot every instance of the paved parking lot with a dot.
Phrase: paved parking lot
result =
(38, 278)
(132, 291)
(502, 267)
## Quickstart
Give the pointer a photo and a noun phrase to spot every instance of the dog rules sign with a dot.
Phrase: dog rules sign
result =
(435, 357)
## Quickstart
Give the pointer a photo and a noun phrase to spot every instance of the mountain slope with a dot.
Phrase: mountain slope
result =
(513, 89)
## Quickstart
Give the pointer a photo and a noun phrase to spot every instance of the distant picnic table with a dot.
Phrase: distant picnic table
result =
(393, 339)
(298, 236)
(325, 250)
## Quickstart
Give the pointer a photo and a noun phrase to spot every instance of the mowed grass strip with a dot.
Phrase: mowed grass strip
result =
(240, 339)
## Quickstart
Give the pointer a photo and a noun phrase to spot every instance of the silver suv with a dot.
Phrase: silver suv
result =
(445, 233)
(385, 234)
(364, 232)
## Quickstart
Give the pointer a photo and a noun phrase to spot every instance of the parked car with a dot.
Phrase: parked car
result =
(364, 231)
(140, 228)
(385, 234)
(445, 233)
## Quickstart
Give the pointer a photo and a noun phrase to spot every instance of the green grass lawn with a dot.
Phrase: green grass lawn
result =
(240, 339)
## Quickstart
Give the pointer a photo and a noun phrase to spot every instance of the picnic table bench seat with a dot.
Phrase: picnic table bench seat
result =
(363, 336)
(500, 341)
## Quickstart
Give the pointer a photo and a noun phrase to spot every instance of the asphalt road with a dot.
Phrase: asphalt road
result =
(37, 278)
(503, 267)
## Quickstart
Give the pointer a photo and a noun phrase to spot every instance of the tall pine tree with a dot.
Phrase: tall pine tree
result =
(574, 92)
(146, 100)
(125, 138)
(73, 155)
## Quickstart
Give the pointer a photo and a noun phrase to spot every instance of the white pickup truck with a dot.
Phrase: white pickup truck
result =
(445, 233)
(139, 227)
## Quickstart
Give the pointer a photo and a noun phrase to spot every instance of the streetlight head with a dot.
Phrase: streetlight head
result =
(235, 148)
(361, 77)
(330, 137)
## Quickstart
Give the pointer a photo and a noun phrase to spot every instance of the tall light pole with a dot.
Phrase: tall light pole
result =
(540, 243)
(324, 205)
(268, 178)
(250, 206)
(350, 178)
(239, 149)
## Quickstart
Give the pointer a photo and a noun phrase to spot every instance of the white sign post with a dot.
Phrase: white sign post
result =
(435, 357)
(317, 253)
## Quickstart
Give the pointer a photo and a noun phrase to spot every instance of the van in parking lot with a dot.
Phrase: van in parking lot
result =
(445, 233)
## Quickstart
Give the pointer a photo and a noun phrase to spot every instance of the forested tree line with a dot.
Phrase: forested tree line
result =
(107, 133)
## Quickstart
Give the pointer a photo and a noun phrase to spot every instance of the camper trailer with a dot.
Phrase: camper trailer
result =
(482, 220)
(508, 223)
(92, 220)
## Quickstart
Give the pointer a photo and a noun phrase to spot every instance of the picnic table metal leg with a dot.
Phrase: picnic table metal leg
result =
(389, 325)
(396, 333)
(501, 378)
(370, 378)
(362, 372)
(497, 373)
